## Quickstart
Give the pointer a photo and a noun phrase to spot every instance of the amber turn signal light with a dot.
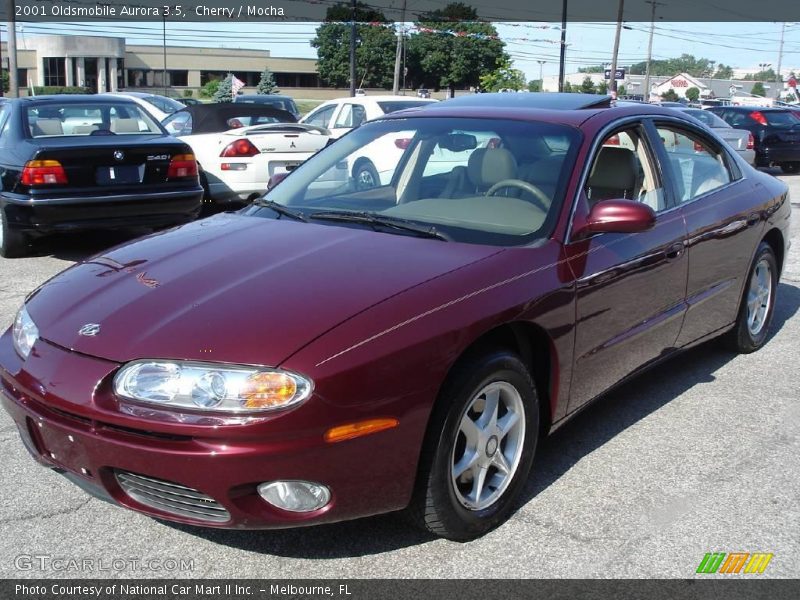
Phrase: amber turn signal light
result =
(358, 429)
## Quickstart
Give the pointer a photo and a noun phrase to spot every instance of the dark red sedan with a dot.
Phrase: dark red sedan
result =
(333, 352)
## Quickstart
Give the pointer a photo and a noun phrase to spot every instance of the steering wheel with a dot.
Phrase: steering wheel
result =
(541, 199)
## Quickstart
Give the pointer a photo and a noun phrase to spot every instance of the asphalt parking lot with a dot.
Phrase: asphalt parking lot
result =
(700, 455)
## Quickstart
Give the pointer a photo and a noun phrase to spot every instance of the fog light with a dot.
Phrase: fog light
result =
(295, 496)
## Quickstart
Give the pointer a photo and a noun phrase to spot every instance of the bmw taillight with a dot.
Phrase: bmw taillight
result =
(612, 141)
(758, 117)
(240, 148)
(751, 142)
(402, 143)
(43, 172)
(182, 166)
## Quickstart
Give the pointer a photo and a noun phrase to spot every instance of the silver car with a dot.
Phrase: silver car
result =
(740, 140)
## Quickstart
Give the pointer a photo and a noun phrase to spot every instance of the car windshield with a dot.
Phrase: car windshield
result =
(485, 181)
(164, 104)
(708, 118)
(89, 118)
(390, 106)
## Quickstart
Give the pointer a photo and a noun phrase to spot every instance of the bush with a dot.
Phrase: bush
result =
(58, 89)
(209, 89)
(187, 93)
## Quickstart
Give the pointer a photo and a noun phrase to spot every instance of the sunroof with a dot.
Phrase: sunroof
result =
(548, 100)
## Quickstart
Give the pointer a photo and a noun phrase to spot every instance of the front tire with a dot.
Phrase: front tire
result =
(758, 303)
(366, 175)
(13, 244)
(479, 448)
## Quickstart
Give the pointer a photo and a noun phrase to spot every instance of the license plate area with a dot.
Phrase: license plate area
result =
(119, 174)
(61, 447)
(282, 167)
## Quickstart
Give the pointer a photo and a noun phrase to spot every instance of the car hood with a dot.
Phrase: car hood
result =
(233, 288)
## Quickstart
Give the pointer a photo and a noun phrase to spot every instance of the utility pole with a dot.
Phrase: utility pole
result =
(613, 82)
(399, 53)
(650, 49)
(562, 60)
(13, 83)
(164, 40)
(353, 49)
(2, 93)
(541, 77)
(778, 79)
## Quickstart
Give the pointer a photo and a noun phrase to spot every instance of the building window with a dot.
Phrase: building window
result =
(120, 73)
(55, 72)
(138, 78)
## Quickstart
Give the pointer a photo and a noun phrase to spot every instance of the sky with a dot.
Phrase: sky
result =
(742, 45)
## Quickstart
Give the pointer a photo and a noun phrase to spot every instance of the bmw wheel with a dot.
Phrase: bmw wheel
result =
(12, 243)
(479, 449)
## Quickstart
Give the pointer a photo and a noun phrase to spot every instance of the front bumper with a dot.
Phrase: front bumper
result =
(771, 155)
(77, 431)
(71, 213)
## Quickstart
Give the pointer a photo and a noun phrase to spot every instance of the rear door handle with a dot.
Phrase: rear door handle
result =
(675, 251)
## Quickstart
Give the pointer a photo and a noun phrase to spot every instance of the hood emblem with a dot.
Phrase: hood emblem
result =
(89, 330)
(119, 155)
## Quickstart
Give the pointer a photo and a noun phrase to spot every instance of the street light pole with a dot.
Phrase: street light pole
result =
(778, 78)
(353, 49)
(653, 3)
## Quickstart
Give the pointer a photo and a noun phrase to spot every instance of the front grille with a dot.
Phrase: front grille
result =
(172, 498)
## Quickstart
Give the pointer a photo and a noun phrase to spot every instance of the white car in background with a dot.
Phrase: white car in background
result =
(373, 166)
(159, 106)
(240, 146)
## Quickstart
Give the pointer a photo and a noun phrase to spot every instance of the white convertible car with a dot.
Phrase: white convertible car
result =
(240, 146)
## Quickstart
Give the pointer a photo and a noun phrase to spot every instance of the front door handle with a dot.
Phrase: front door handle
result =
(675, 251)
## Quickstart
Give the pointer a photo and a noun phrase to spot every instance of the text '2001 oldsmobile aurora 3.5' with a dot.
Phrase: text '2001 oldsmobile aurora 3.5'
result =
(332, 352)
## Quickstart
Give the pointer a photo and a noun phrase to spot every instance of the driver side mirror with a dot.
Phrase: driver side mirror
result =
(616, 216)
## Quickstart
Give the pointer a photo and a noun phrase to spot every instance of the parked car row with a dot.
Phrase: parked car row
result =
(234, 150)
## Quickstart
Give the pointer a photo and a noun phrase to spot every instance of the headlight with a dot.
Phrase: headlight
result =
(24, 333)
(210, 387)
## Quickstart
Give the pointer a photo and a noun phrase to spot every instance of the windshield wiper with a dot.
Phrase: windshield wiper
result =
(281, 209)
(378, 220)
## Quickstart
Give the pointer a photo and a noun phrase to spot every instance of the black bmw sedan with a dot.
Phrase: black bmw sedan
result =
(80, 162)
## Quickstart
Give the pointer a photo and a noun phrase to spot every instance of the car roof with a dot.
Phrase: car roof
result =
(381, 98)
(567, 109)
(135, 94)
(74, 98)
(753, 107)
(212, 118)
(278, 96)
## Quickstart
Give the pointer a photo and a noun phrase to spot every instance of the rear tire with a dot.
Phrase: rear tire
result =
(790, 167)
(758, 303)
(479, 448)
(13, 244)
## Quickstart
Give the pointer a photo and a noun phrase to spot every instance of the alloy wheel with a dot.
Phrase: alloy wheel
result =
(759, 297)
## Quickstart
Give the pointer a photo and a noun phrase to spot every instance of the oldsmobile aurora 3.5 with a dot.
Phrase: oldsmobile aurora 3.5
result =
(332, 352)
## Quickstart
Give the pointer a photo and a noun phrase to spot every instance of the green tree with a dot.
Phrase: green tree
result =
(685, 63)
(593, 69)
(758, 89)
(621, 91)
(535, 85)
(587, 86)
(436, 58)
(723, 72)
(670, 96)
(602, 88)
(266, 85)
(224, 92)
(693, 94)
(568, 86)
(209, 90)
(503, 77)
(375, 50)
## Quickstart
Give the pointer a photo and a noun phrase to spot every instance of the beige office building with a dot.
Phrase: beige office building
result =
(107, 64)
